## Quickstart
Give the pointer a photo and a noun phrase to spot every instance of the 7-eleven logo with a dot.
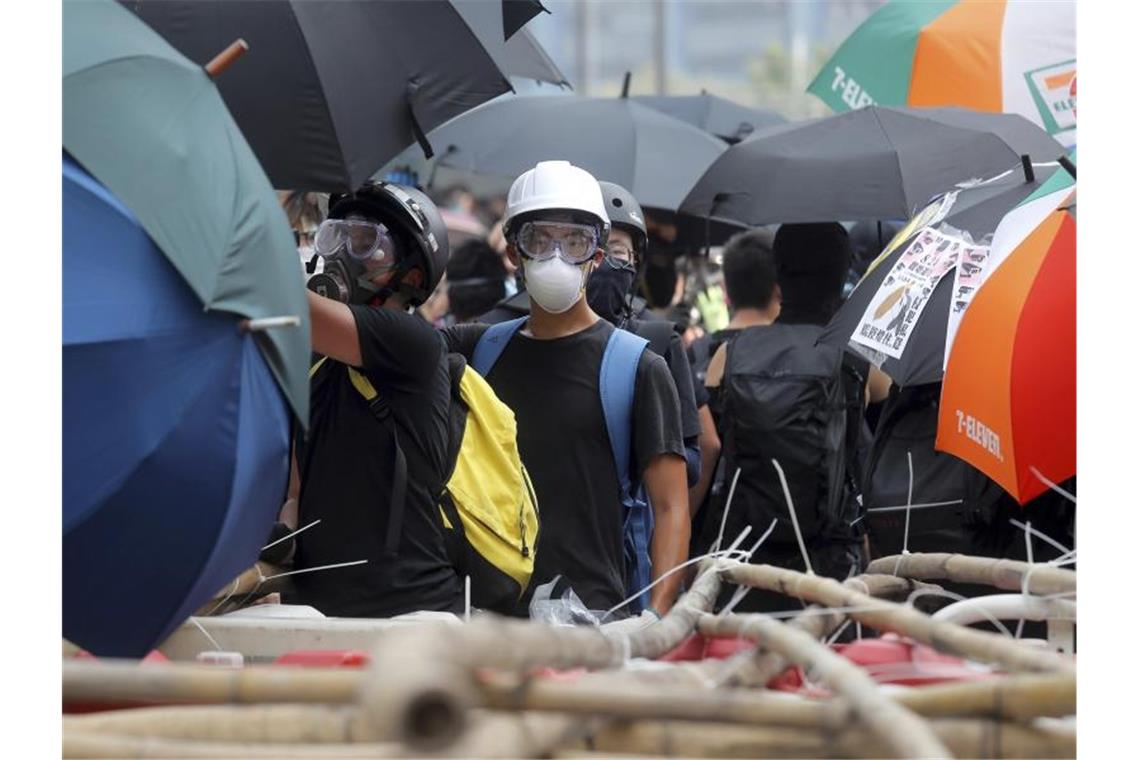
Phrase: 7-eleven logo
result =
(1054, 90)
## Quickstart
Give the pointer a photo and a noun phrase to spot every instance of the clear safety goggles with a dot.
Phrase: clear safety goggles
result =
(369, 242)
(574, 243)
(620, 256)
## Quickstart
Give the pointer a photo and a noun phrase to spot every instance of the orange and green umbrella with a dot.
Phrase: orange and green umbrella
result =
(1009, 403)
(1010, 56)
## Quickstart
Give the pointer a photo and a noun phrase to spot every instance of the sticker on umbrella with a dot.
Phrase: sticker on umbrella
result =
(889, 320)
(932, 214)
(968, 277)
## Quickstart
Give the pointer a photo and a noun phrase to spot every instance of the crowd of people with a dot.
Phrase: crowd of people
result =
(657, 416)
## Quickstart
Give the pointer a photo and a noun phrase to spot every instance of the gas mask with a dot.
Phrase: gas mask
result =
(354, 252)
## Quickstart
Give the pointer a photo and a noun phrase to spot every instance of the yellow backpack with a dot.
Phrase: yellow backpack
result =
(488, 506)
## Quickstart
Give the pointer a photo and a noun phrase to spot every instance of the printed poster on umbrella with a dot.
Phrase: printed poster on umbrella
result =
(889, 320)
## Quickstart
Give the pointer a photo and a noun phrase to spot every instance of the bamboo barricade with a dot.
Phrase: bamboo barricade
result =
(756, 669)
(897, 727)
(422, 680)
(1006, 574)
(250, 581)
(965, 738)
(946, 637)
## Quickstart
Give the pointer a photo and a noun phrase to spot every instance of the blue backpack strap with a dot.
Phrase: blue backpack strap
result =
(492, 342)
(616, 383)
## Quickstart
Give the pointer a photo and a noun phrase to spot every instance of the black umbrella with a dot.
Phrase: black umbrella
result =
(977, 211)
(874, 163)
(654, 156)
(520, 55)
(718, 116)
(330, 91)
(516, 14)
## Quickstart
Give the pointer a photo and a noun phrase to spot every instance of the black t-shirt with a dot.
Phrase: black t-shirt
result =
(552, 386)
(346, 466)
(678, 362)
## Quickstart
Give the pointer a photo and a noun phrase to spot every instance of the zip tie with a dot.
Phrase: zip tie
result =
(792, 512)
(1047, 539)
(711, 555)
(314, 569)
(216, 645)
(742, 591)
(1052, 485)
(909, 499)
(724, 517)
(467, 598)
(927, 505)
(290, 535)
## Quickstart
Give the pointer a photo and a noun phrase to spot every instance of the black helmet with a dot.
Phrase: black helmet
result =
(625, 213)
(413, 219)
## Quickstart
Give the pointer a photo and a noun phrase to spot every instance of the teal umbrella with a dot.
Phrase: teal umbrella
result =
(150, 125)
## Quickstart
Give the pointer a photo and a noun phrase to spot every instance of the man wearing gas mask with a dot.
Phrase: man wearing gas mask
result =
(371, 471)
(546, 366)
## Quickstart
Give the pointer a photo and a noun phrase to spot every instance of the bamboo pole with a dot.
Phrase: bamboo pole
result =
(248, 582)
(84, 745)
(259, 724)
(1018, 697)
(965, 738)
(1005, 574)
(519, 647)
(900, 729)
(756, 669)
(125, 681)
(889, 616)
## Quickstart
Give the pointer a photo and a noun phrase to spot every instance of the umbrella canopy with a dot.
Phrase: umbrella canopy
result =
(330, 91)
(1009, 401)
(912, 296)
(151, 127)
(874, 163)
(718, 116)
(175, 434)
(516, 14)
(1012, 57)
(516, 52)
(654, 156)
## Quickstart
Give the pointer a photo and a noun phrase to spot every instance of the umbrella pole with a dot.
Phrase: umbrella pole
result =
(224, 59)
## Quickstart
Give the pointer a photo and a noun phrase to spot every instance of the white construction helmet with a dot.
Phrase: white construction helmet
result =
(556, 185)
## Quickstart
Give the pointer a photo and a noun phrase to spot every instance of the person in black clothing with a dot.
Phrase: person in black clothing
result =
(384, 248)
(609, 292)
(476, 280)
(548, 374)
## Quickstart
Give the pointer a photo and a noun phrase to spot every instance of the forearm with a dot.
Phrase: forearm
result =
(710, 453)
(334, 330)
(665, 485)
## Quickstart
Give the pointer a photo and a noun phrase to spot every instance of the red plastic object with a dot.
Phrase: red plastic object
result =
(897, 660)
(698, 647)
(325, 658)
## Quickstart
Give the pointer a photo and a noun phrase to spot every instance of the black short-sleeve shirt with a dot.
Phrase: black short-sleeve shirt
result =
(346, 468)
(552, 387)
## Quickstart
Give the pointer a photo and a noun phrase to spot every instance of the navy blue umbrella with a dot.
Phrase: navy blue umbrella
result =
(175, 434)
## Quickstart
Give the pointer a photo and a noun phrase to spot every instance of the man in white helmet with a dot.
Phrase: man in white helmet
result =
(548, 367)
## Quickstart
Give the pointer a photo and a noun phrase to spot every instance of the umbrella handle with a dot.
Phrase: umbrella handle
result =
(268, 323)
(222, 60)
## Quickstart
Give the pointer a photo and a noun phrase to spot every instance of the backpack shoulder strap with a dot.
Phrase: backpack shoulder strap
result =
(616, 382)
(378, 405)
(492, 342)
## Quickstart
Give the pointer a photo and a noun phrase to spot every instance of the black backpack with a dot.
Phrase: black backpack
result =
(959, 509)
(786, 398)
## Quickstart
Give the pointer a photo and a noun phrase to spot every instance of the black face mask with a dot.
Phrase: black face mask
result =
(608, 291)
